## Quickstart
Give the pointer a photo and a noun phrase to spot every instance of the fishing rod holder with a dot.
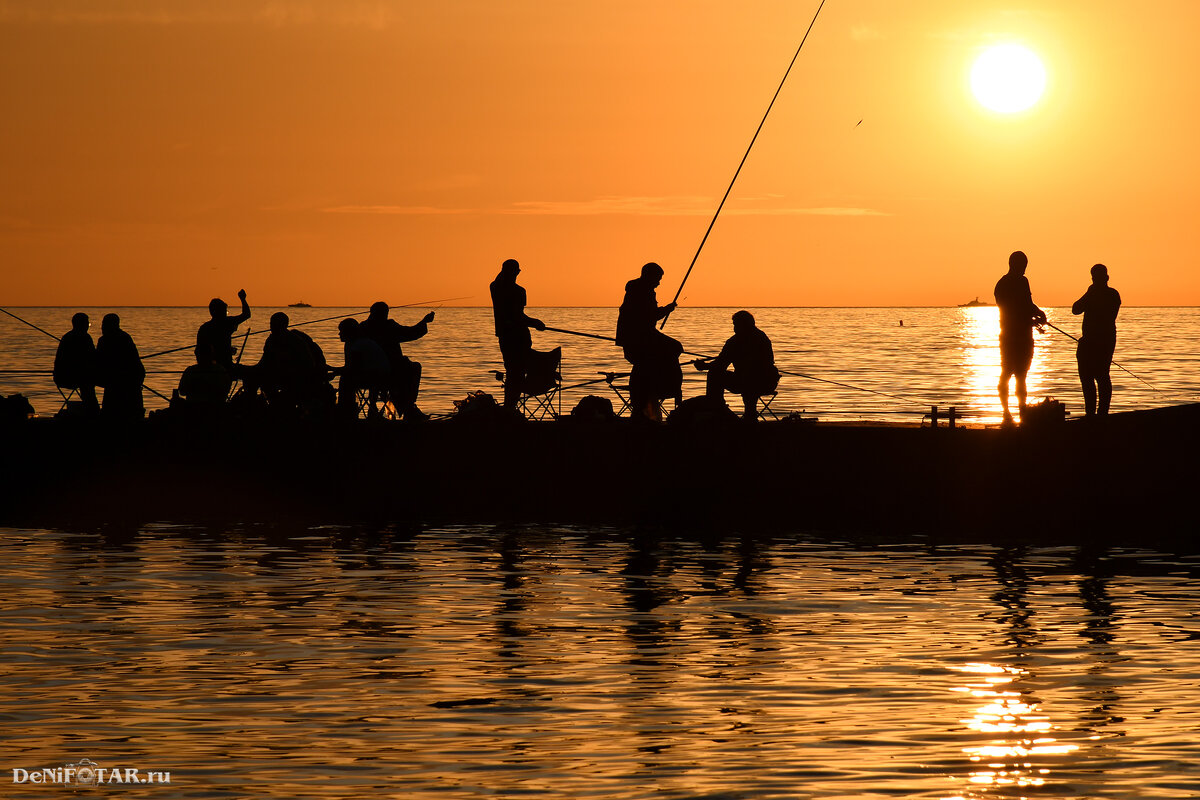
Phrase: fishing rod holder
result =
(951, 416)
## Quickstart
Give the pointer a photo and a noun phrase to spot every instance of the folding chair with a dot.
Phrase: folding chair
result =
(764, 406)
(622, 392)
(541, 392)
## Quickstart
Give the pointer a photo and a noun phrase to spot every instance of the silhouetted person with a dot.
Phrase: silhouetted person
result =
(292, 369)
(406, 373)
(656, 374)
(205, 383)
(1099, 306)
(1018, 316)
(119, 370)
(366, 368)
(750, 354)
(512, 329)
(75, 363)
(217, 333)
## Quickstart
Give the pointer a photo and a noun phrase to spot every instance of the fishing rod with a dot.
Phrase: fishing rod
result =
(743, 161)
(1114, 363)
(311, 322)
(30, 324)
(793, 374)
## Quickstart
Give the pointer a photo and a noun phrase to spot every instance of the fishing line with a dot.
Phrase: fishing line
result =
(793, 374)
(1114, 363)
(743, 161)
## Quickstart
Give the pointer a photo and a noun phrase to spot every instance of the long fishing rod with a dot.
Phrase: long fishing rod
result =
(311, 322)
(1114, 363)
(793, 374)
(743, 161)
(30, 324)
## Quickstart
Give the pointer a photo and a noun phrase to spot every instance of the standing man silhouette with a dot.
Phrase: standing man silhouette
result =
(1099, 306)
(512, 329)
(1018, 316)
(654, 355)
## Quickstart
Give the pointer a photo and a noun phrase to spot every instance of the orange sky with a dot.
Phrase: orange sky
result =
(342, 151)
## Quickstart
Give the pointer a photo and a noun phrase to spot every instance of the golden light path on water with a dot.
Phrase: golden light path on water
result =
(1017, 757)
(979, 343)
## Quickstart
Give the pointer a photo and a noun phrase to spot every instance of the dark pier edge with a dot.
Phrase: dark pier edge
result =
(1126, 479)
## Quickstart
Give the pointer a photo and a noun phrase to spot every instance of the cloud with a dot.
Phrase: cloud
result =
(863, 33)
(376, 14)
(615, 205)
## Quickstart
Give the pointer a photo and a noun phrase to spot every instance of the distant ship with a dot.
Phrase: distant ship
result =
(301, 304)
(974, 304)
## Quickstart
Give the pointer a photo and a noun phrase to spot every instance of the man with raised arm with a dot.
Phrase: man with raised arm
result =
(406, 373)
(512, 329)
(1099, 306)
(1018, 317)
(217, 333)
(654, 355)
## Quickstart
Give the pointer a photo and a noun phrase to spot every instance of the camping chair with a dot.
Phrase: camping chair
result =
(541, 394)
(764, 406)
(622, 391)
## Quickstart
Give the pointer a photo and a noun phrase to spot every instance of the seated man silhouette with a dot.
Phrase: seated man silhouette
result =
(119, 370)
(217, 333)
(366, 369)
(405, 373)
(292, 369)
(206, 383)
(656, 374)
(75, 363)
(754, 374)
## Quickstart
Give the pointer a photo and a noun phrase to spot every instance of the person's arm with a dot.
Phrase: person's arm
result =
(532, 322)
(663, 311)
(1080, 305)
(245, 315)
(408, 333)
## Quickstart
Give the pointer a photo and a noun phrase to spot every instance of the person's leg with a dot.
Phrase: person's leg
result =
(1104, 381)
(1005, 374)
(1087, 382)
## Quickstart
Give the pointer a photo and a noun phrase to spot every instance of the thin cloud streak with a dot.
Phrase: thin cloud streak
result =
(611, 206)
(372, 14)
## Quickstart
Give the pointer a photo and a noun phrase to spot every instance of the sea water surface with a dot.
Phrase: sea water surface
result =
(860, 363)
(569, 662)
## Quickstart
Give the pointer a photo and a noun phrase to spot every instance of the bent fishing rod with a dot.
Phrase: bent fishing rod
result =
(59, 339)
(742, 163)
(311, 322)
(1114, 363)
(792, 374)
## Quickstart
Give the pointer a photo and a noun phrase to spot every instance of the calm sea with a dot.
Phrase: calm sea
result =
(469, 663)
(942, 356)
(572, 662)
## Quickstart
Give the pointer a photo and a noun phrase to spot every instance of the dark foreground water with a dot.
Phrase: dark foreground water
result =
(589, 663)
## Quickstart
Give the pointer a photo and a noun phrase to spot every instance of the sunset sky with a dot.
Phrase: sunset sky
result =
(343, 151)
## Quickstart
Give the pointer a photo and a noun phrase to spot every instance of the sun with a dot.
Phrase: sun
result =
(1008, 78)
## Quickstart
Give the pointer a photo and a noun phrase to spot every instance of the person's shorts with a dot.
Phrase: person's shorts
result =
(1094, 357)
(1016, 353)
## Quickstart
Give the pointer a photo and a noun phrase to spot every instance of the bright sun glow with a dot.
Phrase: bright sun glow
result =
(1008, 78)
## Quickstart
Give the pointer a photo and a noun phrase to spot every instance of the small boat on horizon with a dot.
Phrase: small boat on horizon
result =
(974, 303)
(301, 304)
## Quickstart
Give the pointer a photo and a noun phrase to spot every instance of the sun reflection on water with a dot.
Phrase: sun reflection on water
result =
(1015, 756)
(979, 343)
